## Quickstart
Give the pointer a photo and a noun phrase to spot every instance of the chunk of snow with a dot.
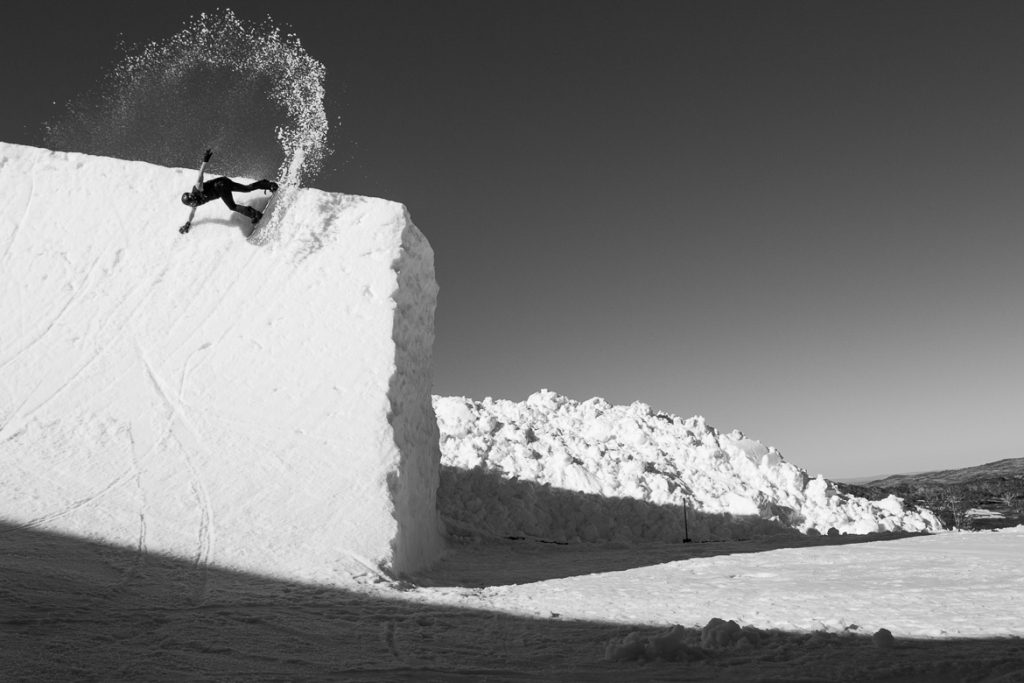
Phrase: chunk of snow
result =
(258, 408)
(882, 638)
(634, 471)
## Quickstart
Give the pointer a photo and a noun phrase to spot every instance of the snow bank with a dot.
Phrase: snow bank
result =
(555, 468)
(718, 636)
(265, 409)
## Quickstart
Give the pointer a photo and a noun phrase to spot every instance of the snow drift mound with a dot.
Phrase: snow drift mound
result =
(266, 410)
(554, 468)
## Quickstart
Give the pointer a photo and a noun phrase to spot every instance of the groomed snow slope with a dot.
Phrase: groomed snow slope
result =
(259, 408)
(595, 472)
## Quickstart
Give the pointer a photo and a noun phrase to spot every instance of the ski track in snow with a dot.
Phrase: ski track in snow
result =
(90, 499)
(97, 344)
(186, 369)
(205, 541)
(221, 301)
(49, 326)
(17, 224)
(255, 295)
(140, 490)
(19, 418)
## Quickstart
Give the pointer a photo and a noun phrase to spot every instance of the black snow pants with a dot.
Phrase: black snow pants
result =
(223, 187)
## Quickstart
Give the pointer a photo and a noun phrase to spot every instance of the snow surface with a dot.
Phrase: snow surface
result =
(591, 471)
(261, 408)
(174, 410)
(72, 610)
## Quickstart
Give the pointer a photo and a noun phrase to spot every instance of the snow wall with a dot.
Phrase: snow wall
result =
(556, 469)
(264, 408)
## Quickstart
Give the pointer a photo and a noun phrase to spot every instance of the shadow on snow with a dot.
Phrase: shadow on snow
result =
(505, 531)
(77, 609)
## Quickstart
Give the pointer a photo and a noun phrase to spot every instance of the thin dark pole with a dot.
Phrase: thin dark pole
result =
(686, 526)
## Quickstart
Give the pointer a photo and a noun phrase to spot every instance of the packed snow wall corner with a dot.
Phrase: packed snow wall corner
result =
(264, 409)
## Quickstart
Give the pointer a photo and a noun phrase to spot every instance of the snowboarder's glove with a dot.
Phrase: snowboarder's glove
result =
(185, 228)
(206, 157)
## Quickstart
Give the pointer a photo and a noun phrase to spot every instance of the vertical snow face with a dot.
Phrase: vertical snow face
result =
(413, 485)
(258, 408)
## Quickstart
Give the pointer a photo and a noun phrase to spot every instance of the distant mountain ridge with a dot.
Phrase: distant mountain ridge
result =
(1009, 467)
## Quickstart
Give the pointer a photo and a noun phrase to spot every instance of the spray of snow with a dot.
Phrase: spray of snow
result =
(246, 90)
(595, 472)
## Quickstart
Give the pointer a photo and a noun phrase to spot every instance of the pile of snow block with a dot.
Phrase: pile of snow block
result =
(261, 408)
(554, 468)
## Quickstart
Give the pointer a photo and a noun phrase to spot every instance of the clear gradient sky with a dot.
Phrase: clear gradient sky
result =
(799, 219)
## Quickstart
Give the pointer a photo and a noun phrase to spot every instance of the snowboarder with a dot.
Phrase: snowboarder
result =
(221, 187)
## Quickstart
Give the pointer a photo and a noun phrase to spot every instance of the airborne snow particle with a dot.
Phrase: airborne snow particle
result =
(242, 88)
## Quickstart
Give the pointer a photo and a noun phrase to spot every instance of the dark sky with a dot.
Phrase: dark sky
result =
(800, 219)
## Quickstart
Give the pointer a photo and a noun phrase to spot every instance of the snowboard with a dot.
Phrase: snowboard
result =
(266, 207)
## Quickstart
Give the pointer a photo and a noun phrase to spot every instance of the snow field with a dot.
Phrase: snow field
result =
(938, 607)
(554, 468)
(74, 609)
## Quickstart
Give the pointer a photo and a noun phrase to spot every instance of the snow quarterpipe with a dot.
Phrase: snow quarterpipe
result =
(265, 409)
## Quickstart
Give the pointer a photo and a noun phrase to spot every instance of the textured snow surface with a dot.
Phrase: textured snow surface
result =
(592, 471)
(953, 584)
(260, 408)
(727, 611)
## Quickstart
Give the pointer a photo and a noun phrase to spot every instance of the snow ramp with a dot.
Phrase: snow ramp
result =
(263, 408)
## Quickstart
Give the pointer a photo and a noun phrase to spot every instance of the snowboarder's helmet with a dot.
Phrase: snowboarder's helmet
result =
(187, 199)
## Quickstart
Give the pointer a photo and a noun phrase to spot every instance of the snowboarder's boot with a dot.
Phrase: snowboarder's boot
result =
(249, 212)
(272, 186)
